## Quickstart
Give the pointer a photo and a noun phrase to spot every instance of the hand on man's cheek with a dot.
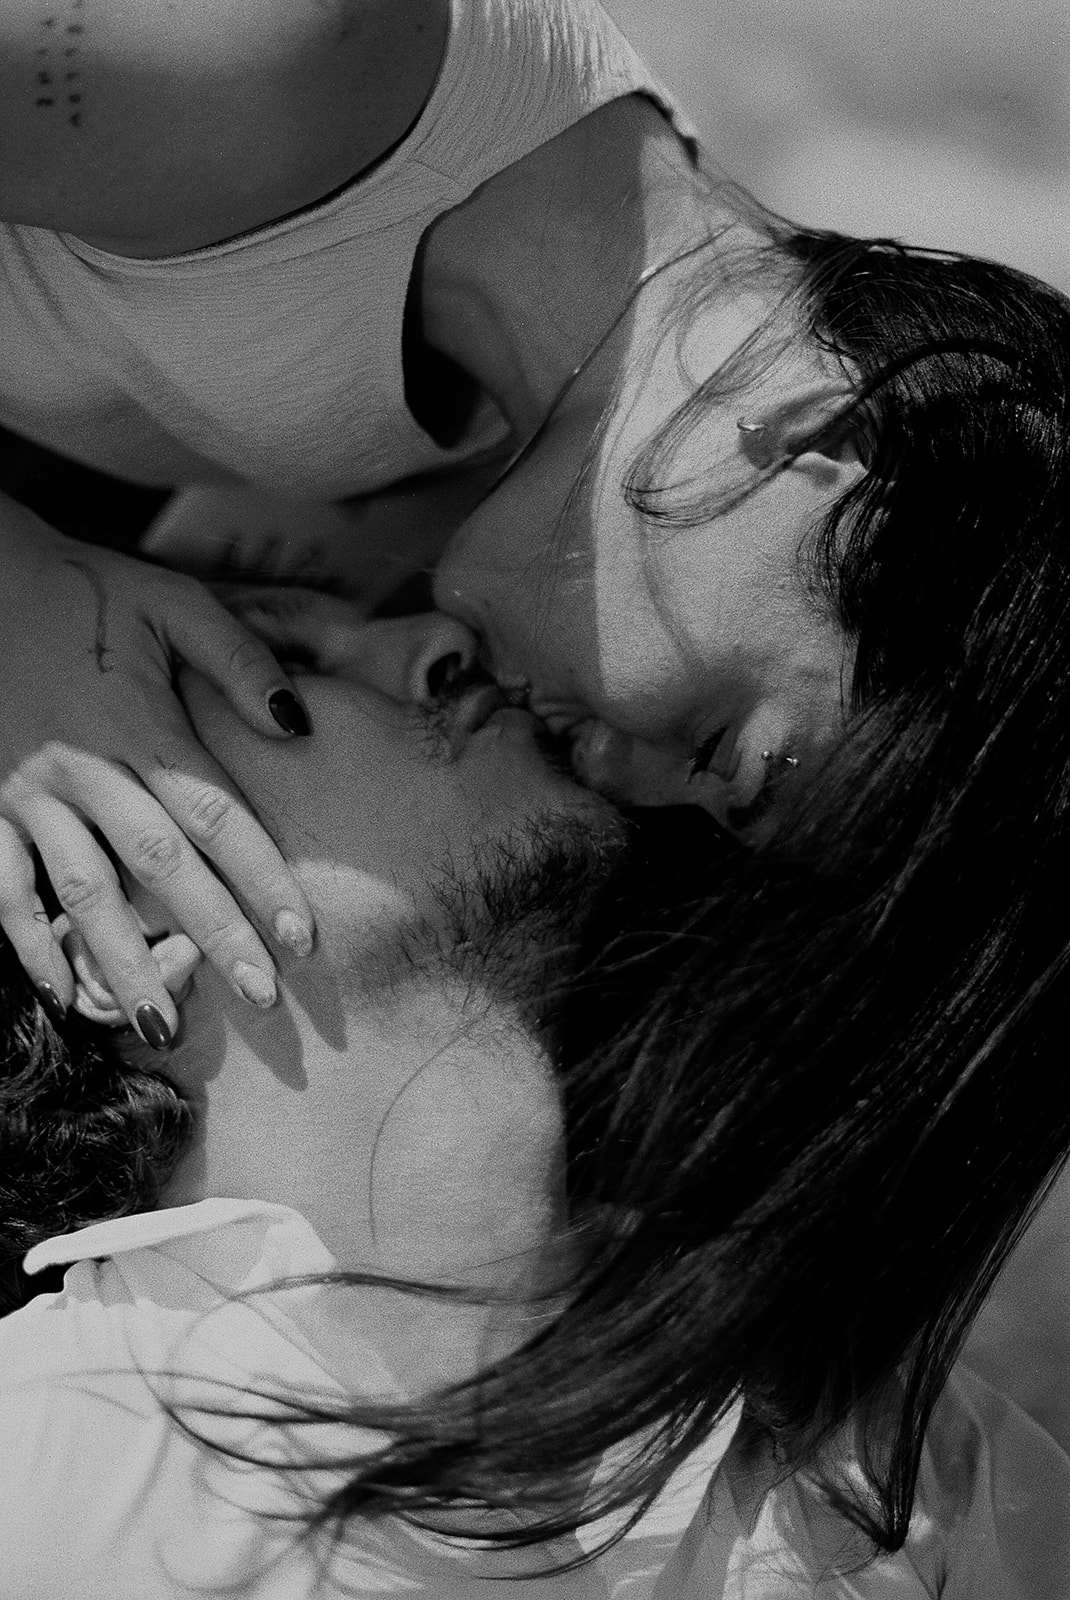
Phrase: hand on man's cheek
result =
(354, 812)
(375, 809)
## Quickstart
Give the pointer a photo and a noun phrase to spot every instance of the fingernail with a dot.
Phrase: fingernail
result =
(288, 712)
(152, 1027)
(294, 933)
(52, 1005)
(255, 984)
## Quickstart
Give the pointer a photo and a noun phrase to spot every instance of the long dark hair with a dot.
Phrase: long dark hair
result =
(814, 1091)
(849, 1070)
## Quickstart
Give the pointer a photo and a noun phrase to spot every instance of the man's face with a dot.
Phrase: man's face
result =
(406, 796)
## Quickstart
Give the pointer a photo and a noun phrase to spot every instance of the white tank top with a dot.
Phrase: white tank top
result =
(275, 358)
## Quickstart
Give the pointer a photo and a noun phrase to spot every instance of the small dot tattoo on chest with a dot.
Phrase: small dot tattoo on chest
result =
(57, 69)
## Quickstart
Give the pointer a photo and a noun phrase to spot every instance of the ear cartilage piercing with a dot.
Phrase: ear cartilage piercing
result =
(780, 757)
(750, 427)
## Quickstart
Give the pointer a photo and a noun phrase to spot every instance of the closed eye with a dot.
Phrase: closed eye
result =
(281, 617)
(703, 754)
(302, 656)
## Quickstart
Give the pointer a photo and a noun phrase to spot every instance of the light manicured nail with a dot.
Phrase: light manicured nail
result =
(293, 933)
(255, 984)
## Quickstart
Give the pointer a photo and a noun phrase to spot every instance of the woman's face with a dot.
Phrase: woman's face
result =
(659, 649)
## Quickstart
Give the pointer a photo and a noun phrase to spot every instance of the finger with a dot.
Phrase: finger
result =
(321, 630)
(240, 666)
(26, 924)
(158, 853)
(176, 956)
(197, 795)
(178, 959)
(87, 887)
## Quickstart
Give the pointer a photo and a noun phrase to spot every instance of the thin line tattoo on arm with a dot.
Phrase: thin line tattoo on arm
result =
(100, 650)
(57, 68)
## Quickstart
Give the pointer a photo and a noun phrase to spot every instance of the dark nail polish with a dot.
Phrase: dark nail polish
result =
(288, 712)
(52, 1005)
(152, 1027)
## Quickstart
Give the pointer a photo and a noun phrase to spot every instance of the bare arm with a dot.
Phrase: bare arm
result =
(151, 128)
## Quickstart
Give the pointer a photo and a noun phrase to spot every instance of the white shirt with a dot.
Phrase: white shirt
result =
(104, 1496)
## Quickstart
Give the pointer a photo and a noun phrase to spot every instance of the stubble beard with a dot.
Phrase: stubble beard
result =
(503, 935)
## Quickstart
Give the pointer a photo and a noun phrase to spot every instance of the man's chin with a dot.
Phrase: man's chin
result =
(515, 922)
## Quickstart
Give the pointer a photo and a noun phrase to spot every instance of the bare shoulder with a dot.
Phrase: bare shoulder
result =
(155, 126)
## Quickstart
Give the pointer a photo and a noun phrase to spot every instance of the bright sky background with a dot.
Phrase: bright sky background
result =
(944, 122)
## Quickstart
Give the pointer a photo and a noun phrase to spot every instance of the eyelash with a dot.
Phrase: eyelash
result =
(703, 754)
(740, 817)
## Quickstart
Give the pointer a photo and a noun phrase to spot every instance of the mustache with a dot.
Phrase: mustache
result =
(555, 748)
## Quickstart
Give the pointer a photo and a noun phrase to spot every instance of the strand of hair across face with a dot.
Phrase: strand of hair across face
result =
(646, 277)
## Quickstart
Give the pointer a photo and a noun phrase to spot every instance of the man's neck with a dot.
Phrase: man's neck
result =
(418, 1132)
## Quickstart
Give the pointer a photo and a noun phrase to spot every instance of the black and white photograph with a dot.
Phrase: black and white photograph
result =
(534, 799)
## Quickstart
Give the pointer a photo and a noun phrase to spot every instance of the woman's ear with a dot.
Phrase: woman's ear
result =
(812, 430)
(176, 955)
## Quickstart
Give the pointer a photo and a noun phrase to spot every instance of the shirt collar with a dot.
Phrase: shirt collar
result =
(144, 1229)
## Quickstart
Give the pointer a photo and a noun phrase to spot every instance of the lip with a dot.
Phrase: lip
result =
(561, 717)
(601, 757)
(509, 716)
(478, 706)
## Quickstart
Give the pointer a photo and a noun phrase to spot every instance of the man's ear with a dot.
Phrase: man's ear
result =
(811, 430)
(93, 998)
(176, 955)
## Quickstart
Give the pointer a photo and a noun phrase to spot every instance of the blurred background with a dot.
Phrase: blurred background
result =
(943, 122)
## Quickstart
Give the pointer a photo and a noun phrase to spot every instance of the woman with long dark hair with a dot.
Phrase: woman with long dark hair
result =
(769, 522)
(799, 1142)
(847, 1052)
(416, 245)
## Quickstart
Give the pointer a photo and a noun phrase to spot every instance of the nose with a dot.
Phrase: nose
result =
(410, 659)
(440, 648)
(460, 581)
